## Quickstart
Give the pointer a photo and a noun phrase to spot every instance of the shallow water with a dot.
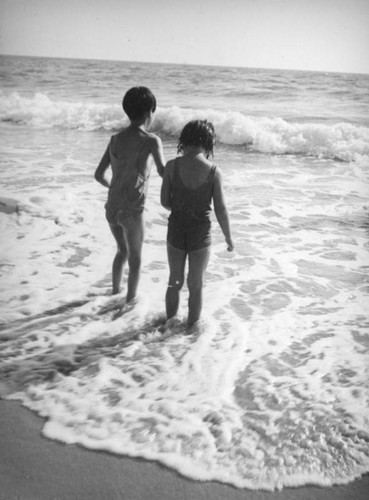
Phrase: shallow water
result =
(271, 389)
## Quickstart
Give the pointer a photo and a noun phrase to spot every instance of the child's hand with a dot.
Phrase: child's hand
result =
(230, 245)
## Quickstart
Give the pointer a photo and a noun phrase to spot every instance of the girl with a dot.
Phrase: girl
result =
(190, 184)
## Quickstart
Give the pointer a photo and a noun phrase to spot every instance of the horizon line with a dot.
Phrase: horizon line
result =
(187, 64)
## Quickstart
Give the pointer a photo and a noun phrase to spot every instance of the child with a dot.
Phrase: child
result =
(190, 184)
(129, 154)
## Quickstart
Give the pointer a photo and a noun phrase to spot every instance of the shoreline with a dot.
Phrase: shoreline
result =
(33, 467)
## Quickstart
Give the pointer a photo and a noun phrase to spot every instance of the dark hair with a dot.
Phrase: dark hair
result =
(138, 101)
(197, 133)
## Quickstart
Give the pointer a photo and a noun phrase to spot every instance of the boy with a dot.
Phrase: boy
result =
(129, 154)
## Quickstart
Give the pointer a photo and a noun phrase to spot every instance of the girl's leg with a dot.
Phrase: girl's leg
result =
(120, 257)
(134, 229)
(176, 261)
(197, 263)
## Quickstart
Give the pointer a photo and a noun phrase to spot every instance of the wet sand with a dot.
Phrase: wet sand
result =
(35, 468)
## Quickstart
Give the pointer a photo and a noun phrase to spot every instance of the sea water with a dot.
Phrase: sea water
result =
(271, 388)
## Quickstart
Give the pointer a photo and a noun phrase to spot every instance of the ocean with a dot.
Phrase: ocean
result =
(271, 389)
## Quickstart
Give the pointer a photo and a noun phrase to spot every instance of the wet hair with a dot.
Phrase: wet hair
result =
(137, 102)
(197, 133)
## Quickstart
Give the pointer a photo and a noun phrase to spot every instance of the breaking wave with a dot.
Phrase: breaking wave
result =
(271, 135)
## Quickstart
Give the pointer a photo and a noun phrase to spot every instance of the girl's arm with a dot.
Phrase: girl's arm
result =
(102, 168)
(158, 155)
(220, 209)
(166, 188)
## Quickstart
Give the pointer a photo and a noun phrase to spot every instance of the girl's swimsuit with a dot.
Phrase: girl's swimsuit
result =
(189, 223)
(128, 188)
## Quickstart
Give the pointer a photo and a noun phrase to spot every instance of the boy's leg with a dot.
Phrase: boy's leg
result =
(134, 228)
(176, 261)
(197, 263)
(120, 257)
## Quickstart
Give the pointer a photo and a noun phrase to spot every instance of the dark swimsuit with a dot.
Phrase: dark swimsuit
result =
(189, 225)
(128, 189)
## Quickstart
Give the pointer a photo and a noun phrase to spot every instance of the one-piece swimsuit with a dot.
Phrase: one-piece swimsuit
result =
(128, 188)
(189, 224)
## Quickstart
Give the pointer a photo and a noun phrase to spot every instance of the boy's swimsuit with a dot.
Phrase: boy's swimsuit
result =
(128, 188)
(189, 223)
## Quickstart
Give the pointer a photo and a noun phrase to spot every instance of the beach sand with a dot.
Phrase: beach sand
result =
(35, 468)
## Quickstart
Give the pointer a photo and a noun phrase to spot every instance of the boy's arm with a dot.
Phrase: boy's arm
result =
(101, 169)
(166, 188)
(158, 154)
(220, 209)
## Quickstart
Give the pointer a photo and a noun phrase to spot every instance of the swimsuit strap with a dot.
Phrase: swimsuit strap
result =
(212, 173)
(176, 171)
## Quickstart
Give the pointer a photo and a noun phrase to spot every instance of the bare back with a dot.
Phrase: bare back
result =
(132, 147)
(193, 171)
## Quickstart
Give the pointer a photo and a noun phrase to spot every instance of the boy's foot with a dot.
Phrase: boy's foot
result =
(111, 306)
(126, 307)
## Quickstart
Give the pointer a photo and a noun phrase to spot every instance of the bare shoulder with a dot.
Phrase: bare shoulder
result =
(152, 136)
(169, 168)
(119, 137)
(218, 180)
(207, 166)
(217, 173)
(154, 140)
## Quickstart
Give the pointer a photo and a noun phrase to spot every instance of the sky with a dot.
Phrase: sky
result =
(314, 35)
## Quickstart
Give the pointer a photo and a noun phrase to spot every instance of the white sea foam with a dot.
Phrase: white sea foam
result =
(270, 390)
(343, 141)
